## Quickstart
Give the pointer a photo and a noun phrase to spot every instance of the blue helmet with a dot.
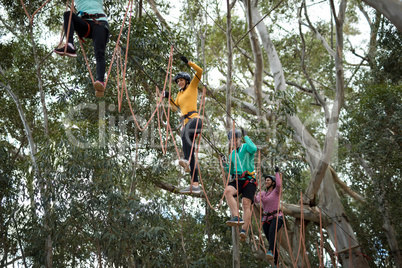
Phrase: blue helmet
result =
(184, 75)
(237, 134)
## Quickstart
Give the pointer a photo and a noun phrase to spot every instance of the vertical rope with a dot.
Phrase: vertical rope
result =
(321, 243)
(194, 136)
(336, 246)
(119, 93)
(86, 60)
(168, 76)
(301, 229)
(117, 44)
(237, 180)
(350, 252)
(261, 240)
(305, 257)
(259, 192)
(277, 218)
(127, 46)
(289, 245)
(68, 30)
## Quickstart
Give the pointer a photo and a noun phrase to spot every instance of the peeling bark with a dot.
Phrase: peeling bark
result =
(257, 51)
(343, 185)
(319, 161)
(392, 9)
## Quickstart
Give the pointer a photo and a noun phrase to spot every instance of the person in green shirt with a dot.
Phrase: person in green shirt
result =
(241, 168)
(89, 22)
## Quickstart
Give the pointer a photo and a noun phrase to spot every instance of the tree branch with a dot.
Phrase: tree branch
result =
(27, 129)
(8, 27)
(392, 9)
(158, 14)
(343, 185)
(318, 97)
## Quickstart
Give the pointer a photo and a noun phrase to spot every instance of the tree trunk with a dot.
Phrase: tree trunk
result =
(230, 63)
(44, 180)
(392, 9)
(332, 207)
(40, 83)
(257, 51)
(388, 227)
(236, 247)
(297, 247)
(318, 161)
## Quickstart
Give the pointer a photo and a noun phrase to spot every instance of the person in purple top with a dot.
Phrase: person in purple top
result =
(272, 217)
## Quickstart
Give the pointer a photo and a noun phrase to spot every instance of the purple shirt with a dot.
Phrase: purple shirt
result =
(270, 200)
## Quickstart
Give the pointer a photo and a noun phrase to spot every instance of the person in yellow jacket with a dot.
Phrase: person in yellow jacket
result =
(186, 100)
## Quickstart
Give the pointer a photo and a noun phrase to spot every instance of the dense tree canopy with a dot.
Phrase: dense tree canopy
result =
(316, 84)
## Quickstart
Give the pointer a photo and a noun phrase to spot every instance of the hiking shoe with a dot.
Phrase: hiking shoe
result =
(184, 163)
(236, 221)
(99, 88)
(270, 256)
(191, 190)
(70, 52)
(243, 235)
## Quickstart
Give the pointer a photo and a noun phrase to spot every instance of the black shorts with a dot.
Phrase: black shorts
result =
(247, 192)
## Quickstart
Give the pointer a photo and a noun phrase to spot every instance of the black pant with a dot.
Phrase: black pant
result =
(99, 33)
(270, 231)
(188, 133)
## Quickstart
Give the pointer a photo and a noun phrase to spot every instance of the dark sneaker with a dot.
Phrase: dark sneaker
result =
(270, 256)
(70, 52)
(236, 221)
(99, 88)
(184, 163)
(191, 190)
(243, 235)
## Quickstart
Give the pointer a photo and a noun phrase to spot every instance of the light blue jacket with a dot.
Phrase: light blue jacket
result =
(91, 7)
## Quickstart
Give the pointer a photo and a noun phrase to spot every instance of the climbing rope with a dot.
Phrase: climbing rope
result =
(168, 128)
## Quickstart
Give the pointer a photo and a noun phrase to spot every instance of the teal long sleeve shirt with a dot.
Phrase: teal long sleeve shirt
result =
(91, 7)
(242, 159)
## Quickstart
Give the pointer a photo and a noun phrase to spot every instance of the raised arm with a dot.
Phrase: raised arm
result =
(251, 148)
(197, 76)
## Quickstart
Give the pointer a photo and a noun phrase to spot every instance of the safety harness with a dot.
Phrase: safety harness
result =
(186, 116)
(273, 213)
(249, 176)
(95, 16)
(85, 16)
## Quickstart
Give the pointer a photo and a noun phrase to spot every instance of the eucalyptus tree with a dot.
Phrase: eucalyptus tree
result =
(370, 134)
(70, 182)
(390, 8)
(321, 77)
(81, 171)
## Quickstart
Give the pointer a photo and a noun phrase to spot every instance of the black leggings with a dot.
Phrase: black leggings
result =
(99, 33)
(187, 135)
(270, 233)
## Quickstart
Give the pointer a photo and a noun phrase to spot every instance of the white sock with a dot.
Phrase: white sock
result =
(71, 45)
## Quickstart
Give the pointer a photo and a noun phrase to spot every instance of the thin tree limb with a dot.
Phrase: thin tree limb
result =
(343, 185)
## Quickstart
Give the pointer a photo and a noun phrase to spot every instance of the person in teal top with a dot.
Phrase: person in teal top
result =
(243, 181)
(89, 22)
